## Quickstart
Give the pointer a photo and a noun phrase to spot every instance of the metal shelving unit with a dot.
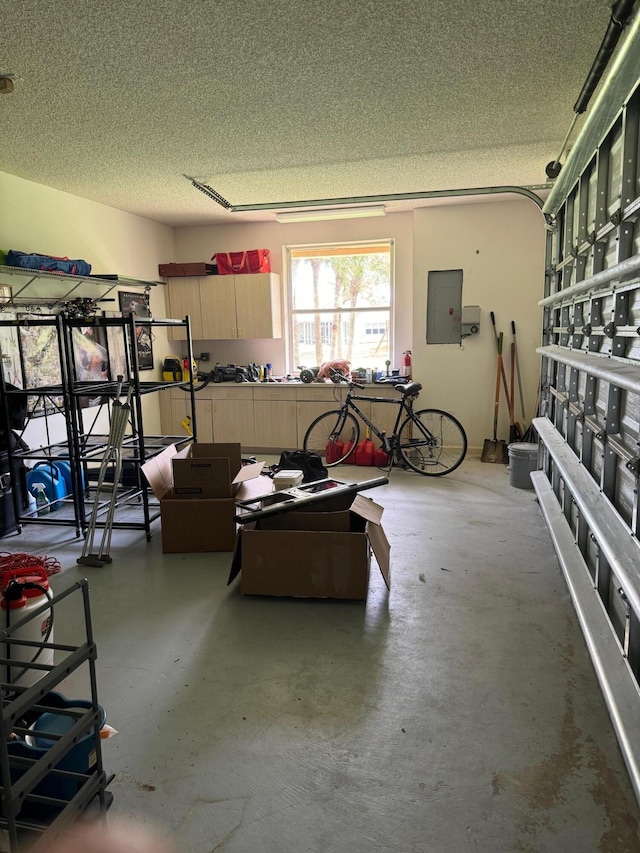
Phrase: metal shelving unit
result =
(46, 784)
(83, 447)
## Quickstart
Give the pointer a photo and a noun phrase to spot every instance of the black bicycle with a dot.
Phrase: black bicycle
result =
(429, 441)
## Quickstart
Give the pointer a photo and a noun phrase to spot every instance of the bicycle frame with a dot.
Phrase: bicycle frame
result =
(403, 408)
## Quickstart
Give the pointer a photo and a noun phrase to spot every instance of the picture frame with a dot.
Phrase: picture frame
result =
(91, 361)
(137, 304)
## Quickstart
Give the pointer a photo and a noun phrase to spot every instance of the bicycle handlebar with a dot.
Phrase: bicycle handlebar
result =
(336, 376)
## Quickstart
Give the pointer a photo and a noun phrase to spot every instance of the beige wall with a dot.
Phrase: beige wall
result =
(35, 218)
(499, 245)
(500, 248)
(199, 244)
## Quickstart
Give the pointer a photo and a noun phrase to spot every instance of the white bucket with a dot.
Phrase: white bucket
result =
(523, 459)
(26, 595)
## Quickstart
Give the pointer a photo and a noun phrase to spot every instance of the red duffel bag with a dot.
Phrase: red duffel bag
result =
(235, 263)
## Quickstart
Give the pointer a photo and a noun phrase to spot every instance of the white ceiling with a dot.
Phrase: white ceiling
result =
(285, 100)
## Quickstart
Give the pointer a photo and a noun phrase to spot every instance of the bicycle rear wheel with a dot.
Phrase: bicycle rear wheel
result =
(432, 442)
(333, 436)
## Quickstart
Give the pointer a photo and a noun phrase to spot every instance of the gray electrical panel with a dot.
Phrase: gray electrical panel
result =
(444, 306)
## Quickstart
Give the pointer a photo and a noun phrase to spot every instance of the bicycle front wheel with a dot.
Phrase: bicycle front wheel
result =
(432, 442)
(333, 436)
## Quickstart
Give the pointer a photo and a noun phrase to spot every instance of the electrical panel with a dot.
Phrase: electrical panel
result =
(444, 306)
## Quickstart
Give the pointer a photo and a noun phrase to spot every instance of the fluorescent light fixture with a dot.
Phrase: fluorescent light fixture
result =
(330, 213)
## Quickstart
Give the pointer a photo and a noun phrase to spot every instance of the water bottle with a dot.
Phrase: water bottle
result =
(42, 502)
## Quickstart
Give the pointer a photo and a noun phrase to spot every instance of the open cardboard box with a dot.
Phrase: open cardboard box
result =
(197, 488)
(312, 553)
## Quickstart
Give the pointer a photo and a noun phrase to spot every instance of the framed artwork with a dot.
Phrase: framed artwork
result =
(91, 359)
(137, 304)
(41, 367)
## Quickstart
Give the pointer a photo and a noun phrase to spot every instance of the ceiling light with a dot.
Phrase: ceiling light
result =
(329, 213)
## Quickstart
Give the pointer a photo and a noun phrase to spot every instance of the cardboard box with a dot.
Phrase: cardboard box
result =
(202, 516)
(313, 554)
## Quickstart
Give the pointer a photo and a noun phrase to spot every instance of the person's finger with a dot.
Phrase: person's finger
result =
(115, 837)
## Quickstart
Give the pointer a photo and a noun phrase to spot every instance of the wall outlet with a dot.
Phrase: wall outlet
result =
(204, 356)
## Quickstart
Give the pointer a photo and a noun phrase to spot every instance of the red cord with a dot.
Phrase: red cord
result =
(24, 561)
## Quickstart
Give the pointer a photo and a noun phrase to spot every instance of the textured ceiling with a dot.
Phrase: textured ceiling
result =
(285, 100)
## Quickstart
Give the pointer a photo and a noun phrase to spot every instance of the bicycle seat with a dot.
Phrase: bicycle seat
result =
(409, 389)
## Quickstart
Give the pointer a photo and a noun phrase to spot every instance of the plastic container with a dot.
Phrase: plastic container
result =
(334, 450)
(80, 759)
(64, 470)
(53, 481)
(523, 459)
(364, 452)
(380, 458)
(7, 511)
(42, 502)
(34, 585)
(287, 479)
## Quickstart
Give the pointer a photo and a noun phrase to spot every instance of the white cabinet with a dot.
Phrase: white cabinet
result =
(232, 410)
(269, 417)
(274, 417)
(224, 307)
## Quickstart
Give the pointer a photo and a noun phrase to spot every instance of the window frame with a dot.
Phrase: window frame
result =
(290, 314)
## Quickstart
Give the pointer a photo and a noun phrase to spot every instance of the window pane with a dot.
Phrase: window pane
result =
(341, 281)
(363, 339)
(341, 304)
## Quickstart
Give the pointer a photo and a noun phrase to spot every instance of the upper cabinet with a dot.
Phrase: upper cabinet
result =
(223, 307)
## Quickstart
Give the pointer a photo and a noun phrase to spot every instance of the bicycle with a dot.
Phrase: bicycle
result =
(430, 441)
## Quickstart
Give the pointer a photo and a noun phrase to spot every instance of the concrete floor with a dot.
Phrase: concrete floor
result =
(460, 712)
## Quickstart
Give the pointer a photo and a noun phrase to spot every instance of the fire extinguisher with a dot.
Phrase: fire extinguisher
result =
(406, 364)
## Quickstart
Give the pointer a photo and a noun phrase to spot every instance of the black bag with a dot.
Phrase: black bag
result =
(303, 460)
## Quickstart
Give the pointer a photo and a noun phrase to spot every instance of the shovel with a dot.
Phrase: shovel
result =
(515, 432)
(502, 370)
(494, 450)
(515, 347)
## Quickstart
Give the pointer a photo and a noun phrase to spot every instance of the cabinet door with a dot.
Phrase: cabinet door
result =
(204, 420)
(307, 412)
(275, 424)
(232, 413)
(184, 298)
(218, 307)
(258, 305)
(384, 415)
(177, 413)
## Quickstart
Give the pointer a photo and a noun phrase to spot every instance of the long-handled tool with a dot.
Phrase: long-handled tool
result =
(112, 455)
(503, 374)
(515, 432)
(515, 348)
(495, 450)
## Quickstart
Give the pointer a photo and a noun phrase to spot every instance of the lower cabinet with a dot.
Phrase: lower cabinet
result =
(233, 420)
(175, 408)
(266, 417)
(275, 419)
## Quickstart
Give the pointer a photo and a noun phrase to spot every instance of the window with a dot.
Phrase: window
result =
(340, 298)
